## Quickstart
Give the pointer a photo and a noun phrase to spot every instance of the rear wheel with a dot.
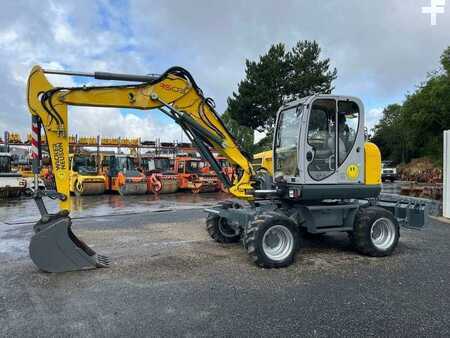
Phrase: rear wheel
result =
(376, 232)
(272, 240)
(219, 230)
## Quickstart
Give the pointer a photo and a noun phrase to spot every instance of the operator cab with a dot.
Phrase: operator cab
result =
(6, 169)
(121, 163)
(5, 163)
(191, 166)
(319, 148)
(84, 165)
(156, 165)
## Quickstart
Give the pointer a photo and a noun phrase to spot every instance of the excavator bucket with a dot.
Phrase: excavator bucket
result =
(55, 248)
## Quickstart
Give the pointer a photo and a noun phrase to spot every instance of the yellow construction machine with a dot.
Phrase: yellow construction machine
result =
(263, 161)
(325, 176)
(84, 177)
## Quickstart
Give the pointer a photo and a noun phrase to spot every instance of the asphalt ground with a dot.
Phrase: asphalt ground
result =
(167, 278)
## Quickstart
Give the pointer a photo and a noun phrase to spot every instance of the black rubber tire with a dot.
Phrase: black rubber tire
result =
(255, 234)
(361, 236)
(216, 230)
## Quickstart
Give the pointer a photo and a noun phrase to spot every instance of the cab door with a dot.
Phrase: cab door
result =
(319, 155)
(350, 141)
(334, 142)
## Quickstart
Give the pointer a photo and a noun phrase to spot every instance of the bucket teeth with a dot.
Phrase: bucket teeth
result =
(102, 261)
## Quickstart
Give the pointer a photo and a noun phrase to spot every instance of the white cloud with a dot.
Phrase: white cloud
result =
(67, 36)
(372, 117)
(114, 123)
(7, 37)
(258, 136)
(381, 49)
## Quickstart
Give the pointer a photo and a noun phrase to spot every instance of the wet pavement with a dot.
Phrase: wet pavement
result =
(24, 209)
(168, 278)
(18, 215)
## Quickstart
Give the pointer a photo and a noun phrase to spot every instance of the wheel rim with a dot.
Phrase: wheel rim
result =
(278, 243)
(225, 229)
(382, 233)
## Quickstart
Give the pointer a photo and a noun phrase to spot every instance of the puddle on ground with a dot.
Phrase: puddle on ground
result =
(24, 210)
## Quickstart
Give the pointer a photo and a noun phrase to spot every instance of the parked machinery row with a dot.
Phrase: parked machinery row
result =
(13, 181)
(122, 174)
(126, 175)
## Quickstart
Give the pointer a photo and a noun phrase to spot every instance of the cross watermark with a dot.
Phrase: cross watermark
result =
(436, 7)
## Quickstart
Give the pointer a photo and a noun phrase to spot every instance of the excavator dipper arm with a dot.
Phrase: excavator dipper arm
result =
(54, 247)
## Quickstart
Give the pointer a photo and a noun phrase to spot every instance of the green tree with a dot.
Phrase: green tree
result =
(276, 75)
(428, 114)
(391, 135)
(243, 135)
(414, 129)
(445, 60)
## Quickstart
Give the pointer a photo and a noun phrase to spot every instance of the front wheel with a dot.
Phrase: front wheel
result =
(219, 230)
(376, 232)
(272, 240)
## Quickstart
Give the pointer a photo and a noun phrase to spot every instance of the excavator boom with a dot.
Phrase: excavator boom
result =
(175, 93)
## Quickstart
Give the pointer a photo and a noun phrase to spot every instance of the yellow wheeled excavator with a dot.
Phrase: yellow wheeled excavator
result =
(325, 176)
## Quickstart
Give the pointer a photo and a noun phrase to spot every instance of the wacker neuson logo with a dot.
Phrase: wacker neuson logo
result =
(436, 7)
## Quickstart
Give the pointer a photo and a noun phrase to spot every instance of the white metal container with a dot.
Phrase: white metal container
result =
(446, 200)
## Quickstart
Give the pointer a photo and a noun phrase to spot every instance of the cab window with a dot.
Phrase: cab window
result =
(348, 122)
(181, 167)
(285, 152)
(322, 139)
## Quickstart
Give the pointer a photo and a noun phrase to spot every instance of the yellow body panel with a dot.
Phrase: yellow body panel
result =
(265, 160)
(372, 164)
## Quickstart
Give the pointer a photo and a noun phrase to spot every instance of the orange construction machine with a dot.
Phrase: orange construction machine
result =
(193, 175)
(122, 176)
(226, 168)
(161, 179)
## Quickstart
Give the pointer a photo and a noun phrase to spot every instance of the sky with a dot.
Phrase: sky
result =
(382, 49)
